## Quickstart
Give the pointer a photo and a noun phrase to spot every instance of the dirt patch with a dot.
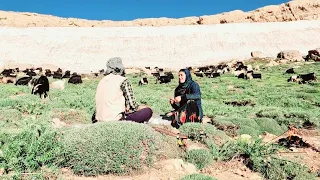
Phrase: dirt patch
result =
(234, 169)
(229, 129)
(18, 94)
(309, 125)
(304, 156)
(233, 89)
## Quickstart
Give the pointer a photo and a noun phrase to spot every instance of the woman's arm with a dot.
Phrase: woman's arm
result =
(174, 105)
(195, 93)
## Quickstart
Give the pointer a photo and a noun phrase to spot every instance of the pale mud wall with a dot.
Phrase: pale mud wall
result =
(86, 49)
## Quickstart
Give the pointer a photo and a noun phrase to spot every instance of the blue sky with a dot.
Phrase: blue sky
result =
(131, 9)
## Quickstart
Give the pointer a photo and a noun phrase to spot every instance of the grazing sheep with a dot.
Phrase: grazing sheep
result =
(75, 79)
(41, 87)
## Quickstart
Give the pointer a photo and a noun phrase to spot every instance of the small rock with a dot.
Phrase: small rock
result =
(2, 171)
(206, 120)
(189, 168)
(56, 123)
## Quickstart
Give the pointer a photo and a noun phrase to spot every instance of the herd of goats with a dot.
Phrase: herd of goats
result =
(38, 79)
(238, 69)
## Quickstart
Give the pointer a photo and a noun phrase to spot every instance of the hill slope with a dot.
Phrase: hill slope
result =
(290, 11)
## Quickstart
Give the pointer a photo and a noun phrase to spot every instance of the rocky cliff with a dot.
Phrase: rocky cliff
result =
(290, 11)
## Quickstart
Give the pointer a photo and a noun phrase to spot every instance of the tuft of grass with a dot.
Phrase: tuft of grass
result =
(200, 157)
(112, 147)
(36, 146)
(194, 130)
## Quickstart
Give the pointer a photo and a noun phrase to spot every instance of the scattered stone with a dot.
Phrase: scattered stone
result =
(2, 171)
(177, 165)
(272, 63)
(283, 61)
(56, 123)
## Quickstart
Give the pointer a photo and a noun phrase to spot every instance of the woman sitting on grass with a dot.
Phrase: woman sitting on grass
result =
(115, 99)
(187, 101)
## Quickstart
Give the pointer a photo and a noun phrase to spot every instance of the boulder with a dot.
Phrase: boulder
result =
(291, 55)
(256, 54)
(314, 54)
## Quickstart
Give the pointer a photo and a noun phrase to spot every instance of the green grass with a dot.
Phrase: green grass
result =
(200, 157)
(275, 104)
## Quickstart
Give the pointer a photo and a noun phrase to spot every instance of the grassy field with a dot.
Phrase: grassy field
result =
(28, 142)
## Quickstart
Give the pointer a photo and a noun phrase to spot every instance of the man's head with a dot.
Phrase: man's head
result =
(115, 66)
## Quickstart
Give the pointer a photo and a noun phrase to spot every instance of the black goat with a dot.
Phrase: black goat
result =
(57, 75)
(41, 87)
(290, 71)
(307, 77)
(169, 74)
(23, 81)
(48, 73)
(256, 75)
(31, 73)
(164, 79)
(143, 81)
(75, 79)
(8, 72)
(66, 74)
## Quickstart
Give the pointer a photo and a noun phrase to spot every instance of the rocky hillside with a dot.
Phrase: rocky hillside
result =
(290, 11)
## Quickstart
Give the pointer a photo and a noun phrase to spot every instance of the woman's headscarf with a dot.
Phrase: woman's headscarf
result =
(183, 86)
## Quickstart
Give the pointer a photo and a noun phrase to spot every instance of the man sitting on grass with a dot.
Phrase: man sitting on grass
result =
(115, 99)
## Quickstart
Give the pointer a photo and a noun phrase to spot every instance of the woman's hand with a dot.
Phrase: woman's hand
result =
(169, 114)
(177, 99)
(171, 100)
